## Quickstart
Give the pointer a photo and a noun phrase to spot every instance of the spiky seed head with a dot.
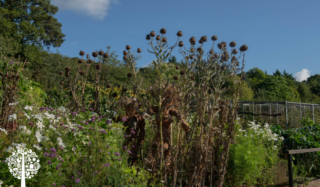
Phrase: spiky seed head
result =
(200, 41)
(243, 48)
(181, 44)
(88, 56)
(68, 69)
(211, 51)
(204, 38)
(152, 34)
(115, 94)
(214, 38)
(234, 51)
(175, 77)
(90, 61)
(148, 37)
(139, 50)
(224, 45)
(237, 63)
(94, 54)
(192, 50)
(199, 49)
(82, 53)
(181, 72)
(106, 55)
(216, 55)
(177, 67)
(232, 44)
(179, 34)
(192, 40)
(61, 82)
(158, 38)
(98, 66)
(101, 52)
(125, 57)
(60, 73)
(163, 31)
(125, 52)
(219, 45)
(80, 61)
(191, 56)
(234, 59)
(226, 53)
(164, 39)
(129, 75)
(192, 78)
(108, 85)
(128, 47)
(82, 73)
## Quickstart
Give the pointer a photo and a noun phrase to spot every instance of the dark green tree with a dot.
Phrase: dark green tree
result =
(255, 76)
(277, 73)
(287, 75)
(304, 91)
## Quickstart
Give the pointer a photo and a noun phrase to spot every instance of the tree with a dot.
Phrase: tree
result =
(304, 91)
(30, 27)
(277, 73)
(256, 76)
(174, 61)
(287, 75)
(315, 77)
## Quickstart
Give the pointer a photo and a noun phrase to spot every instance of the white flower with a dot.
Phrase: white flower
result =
(9, 149)
(281, 138)
(20, 145)
(25, 114)
(37, 147)
(4, 130)
(22, 127)
(13, 116)
(269, 139)
(51, 127)
(1, 182)
(28, 107)
(39, 136)
(114, 113)
(275, 147)
(266, 125)
(62, 109)
(11, 104)
(223, 134)
(60, 143)
(40, 125)
(107, 111)
(28, 131)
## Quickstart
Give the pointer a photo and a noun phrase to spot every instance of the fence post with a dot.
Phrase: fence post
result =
(253, 109)
(270, 114)
(290, 170)
(287, 115)
(313, 112)
(242, 111)
(300, 113)
(277, 114)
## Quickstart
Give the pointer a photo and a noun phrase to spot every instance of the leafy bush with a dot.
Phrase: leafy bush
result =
(255, 151)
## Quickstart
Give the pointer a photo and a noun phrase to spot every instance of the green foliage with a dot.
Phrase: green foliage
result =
(247, 92)
(304, 92)
(256, 76)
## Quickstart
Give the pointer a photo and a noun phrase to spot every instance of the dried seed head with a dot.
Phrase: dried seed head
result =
(94, 54)
(175, 77)
(232, 44)
(243, 48)
(98, 66)
(129, 75)
(214, 38)
(181, 72)
(164, 39)
(90, 61)
(148, 37)
(125, 57)
(237, 63)
(216, 55)
(179, 34)
(200, 41)
(82, 53)
(163, 31)
(158, 38)
(106, 55)
(80, 61)
(108, 85)
(152, 34)
(68, 69)
(204, 38)
(101, 52)
(192, 50)
(192, 78)
(125, 52)
(219, 45)
(128, 47)
(199, 50)
(177, 67)
(191, 56)
(118, 85)
(181, 44)
(223, 67)
(234, 59)
(82, 73)
(186, 58)
(61, 82)
(124, 89)
(60, 73)
(234, 51)
(115, 94)
(192, 40)
(139, 50)
(88, 56)
(224, 45)
(211, 51)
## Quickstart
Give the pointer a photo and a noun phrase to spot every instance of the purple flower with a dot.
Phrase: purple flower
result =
(80, 127)
(96, 172)
(129, 152)
(57, 168)
(63, 186)
(60, 148)
(109, 153)
(120, 159)
(78, 180)
(108, 121)
(100, 151)
(124, 119)
(72, 177)
(10, 63)
(53, 150)
(108, 164)
(46, 154)
(117, 154)
(74, 148)
(104, 131)
(89, 143)
(133, 132)
(59, 165)
(54, 184)
(49, 162)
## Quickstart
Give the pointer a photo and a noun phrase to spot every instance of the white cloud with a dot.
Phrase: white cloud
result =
(95, 8)
(304, 74)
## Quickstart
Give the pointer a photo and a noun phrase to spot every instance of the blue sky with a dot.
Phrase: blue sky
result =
(280, 34)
